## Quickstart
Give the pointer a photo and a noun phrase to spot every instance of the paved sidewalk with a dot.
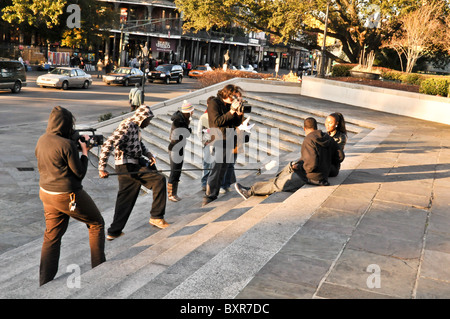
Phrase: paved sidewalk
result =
(383, 233)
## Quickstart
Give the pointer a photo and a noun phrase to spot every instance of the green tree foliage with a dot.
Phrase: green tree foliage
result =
(293, 21)
(95, 20)
(35, 12)
(49, 18)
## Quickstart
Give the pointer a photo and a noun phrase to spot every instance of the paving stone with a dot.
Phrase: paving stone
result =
(397, 276)
(433, 265)
(429, 288)
(333, 291)
(267, 287)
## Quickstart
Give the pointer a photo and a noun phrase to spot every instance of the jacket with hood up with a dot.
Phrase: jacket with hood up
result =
(179, 121)
(318, 153)
(126, 140)
(61, 169)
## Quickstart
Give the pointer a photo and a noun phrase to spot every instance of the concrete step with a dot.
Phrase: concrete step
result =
(22, 264)
(218, 247)
(121, 276)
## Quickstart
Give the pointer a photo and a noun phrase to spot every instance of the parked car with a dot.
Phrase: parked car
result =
(124, 76)
(12, 75)
(246, 68)
(166, 73)
(65, 77)
(199, 70)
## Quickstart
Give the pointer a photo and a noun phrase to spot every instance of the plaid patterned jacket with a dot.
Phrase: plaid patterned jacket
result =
(126, 140)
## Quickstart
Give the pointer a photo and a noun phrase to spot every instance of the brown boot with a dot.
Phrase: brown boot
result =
(172, 192)
(158, 222)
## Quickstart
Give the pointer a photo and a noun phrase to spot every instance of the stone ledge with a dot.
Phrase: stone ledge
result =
(420, 106)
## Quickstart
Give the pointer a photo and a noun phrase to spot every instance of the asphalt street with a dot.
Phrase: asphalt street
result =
(33, 104)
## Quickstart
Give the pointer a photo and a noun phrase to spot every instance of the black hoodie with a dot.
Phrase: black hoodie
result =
(60, 167)
(319, 151)
(179, 121)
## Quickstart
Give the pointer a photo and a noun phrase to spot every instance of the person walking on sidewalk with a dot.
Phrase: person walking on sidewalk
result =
(61, 171)
(135, 97)
(132, 162)
(179, 133)
(319, 152)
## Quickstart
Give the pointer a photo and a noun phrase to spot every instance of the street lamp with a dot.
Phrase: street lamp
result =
(322, 58)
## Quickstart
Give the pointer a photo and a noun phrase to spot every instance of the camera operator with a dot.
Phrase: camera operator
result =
(224, 115)
(61, 171)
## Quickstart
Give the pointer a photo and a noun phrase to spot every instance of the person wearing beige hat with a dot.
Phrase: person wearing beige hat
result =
(179, 133)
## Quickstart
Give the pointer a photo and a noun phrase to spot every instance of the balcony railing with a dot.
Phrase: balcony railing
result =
(173, 27)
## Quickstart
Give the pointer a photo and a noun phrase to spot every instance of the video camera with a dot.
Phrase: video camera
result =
(94, 139)
(243, 107)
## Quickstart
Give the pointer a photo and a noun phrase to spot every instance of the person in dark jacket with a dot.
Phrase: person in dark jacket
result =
(319, 152)
(179, 133)
(61, 171)
(223, 118)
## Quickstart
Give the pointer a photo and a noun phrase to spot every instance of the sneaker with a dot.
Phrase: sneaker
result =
(225, 190)
(111, 237)
(245, 192)
(158, 222)
(174, 198)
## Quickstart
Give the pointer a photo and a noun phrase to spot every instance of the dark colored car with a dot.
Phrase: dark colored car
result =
(12, 75)
(166, 73)
(124, 76)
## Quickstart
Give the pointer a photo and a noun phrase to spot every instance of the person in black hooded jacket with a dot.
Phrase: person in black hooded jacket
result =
(319, 152)
(179, 133)
(61, 171)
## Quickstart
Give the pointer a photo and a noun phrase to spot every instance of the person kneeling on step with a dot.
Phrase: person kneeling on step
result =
(319, 152)
(179, 133)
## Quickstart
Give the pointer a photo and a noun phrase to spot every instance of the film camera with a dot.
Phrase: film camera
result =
(94, 139)
(243, 107)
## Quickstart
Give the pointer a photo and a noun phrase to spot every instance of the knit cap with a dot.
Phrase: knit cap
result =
(187, 107)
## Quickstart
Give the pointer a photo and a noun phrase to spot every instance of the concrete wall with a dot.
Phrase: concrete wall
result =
(421, 106)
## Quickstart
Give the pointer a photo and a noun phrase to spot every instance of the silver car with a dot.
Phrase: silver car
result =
(64, 78)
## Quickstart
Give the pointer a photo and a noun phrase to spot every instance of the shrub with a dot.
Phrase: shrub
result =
(435, 86)
(341, 70)
(105, 117)
(219, 75)
(412, 78)
(391, 75)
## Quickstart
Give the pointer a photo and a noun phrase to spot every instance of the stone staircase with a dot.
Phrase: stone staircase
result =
(180, 261)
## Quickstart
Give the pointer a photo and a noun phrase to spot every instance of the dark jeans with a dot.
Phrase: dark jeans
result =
(57, 215)
(129, 188)
(218, 169)
(286, 180)
(175, 169)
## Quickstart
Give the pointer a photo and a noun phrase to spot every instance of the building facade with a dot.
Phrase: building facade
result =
(156, 25)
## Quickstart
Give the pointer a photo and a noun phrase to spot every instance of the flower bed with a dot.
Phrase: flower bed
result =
(411, 82)
(219, 75)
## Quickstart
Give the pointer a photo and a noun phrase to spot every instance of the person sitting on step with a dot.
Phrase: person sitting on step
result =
(319, 152)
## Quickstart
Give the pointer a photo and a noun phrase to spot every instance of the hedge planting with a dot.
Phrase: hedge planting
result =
(341, 70)
(435, 86)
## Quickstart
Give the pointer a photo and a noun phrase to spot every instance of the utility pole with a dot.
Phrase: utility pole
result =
(321, 72)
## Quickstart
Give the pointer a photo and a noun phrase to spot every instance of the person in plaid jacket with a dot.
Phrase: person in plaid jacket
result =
(133, 162)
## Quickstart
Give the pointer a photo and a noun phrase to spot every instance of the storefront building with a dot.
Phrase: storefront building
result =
(156, 27)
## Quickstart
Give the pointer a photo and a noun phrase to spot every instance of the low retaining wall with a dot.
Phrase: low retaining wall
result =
(420, 106)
